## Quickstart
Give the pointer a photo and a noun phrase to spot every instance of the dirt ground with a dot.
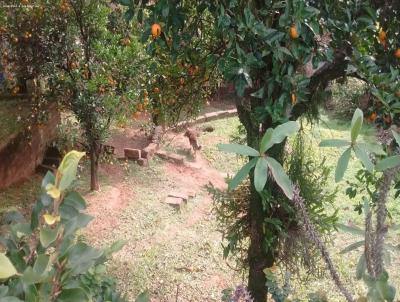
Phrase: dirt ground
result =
(175, 254)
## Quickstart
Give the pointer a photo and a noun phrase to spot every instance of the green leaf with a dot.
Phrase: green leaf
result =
(259, 94)
(10, 299)
(143, 297)
(238, 149)
(334, 143)
(260, 174)
(7, 269)
(364, 158)
(49, 178)
(356, 124)
(361, 267)
(115, 247)
(396, 136)
(388, 163)
(3, 290)
(39, 271)
(81, 257)
(280, 177)
(266, 140)
(48, 236)
(68, 168)
(243, 172)
(372, 148)
(73, 295)
(351, 229)
(342, 165)
(74, 199)
(283, 131)
(352, 247)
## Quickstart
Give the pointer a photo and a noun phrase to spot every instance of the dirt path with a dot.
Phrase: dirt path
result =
(172, 253)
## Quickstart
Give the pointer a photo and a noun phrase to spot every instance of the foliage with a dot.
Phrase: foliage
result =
(231, 210)
(43, 259)
(261, 162)
(294, 251)
(84, 52)
(346, 96)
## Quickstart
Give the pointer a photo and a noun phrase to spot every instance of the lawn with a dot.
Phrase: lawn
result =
(178, 253)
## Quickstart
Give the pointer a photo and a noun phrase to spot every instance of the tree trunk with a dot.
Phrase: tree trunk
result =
(259, 257)
(95, 152)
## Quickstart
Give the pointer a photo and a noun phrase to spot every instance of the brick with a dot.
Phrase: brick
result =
(143, 162)
(132, 153)
(149, 151)
(175, 202)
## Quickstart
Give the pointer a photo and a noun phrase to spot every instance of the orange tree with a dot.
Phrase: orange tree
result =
(180, 77)
(281, 55)
(84, 52)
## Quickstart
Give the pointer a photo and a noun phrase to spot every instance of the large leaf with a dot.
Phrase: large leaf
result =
(238, 149)
(81, 257)
(364, 158)
(352, 247)
(388, 163)
(342, 165)
(396, 136)
(74, 199)
(243, 172)
(280, 177)
(334, 143)
(68, 168)
(361, 267)
(48, 236)
(260, 174)
(73, 295)
(281, 132)
(7, 269)
(77, 222)
(351, 229)
(10, 299)
(39, 271)
(265, 141)
(356, 124)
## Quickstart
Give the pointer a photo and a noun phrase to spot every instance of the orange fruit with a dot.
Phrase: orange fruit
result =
(294, 34)
(25, 2)
(382, 35)
(145, 93)
(156, 30)
(397, 53)
(156, 90)
(294, 99)
(373, 116)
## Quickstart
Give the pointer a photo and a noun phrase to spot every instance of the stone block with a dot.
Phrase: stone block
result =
(132, 153)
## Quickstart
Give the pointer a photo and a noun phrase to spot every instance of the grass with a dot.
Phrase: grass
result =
(171, 256)
(225, 129)
(11, 116)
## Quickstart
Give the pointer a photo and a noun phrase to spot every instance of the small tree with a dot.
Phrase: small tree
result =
(83, 50)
